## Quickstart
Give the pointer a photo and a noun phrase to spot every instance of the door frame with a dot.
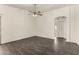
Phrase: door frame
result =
(65, 34)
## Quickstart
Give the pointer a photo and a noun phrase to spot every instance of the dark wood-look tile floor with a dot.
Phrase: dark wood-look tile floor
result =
(39, 46)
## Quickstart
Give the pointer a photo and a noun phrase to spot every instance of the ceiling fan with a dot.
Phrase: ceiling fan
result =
(36, 12)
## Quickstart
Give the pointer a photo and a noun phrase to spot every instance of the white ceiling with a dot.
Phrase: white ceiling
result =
(40, 7)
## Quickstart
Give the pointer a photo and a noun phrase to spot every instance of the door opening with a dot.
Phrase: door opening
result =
(60, 27)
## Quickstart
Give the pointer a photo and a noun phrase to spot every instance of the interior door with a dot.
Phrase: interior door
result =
(60, 26)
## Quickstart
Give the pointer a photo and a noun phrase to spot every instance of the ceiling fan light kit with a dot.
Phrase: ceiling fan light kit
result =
(34, 15)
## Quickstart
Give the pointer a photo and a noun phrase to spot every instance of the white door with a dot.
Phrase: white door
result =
(60, 26)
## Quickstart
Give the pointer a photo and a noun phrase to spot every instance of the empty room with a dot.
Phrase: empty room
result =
(39, 29)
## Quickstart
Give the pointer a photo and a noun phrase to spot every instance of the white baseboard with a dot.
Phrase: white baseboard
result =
(16, 39)
(45, 37)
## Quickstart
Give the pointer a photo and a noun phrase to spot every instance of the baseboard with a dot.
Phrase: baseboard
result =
(18, 40)
(73, 42)
(45, 37)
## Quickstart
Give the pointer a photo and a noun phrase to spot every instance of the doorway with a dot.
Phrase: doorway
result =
(60, 27)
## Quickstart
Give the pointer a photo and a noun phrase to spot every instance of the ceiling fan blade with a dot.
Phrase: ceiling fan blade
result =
(45, 12)
(29, 11)
(40, 14)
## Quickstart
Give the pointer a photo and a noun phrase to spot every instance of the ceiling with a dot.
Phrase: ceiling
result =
(40, 7)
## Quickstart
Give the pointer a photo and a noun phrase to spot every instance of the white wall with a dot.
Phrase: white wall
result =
(75, 24)
(46, 22)
(16, 24)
